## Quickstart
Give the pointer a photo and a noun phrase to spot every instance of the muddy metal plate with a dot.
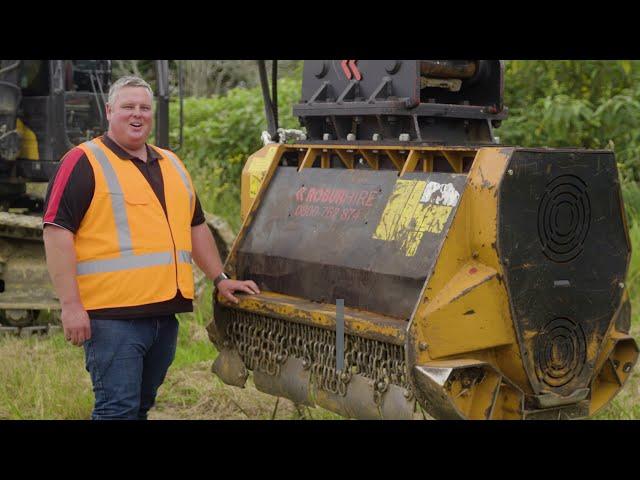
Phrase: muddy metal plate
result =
(367, 237)
(562, 241)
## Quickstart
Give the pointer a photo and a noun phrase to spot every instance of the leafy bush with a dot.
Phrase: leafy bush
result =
(220, 133)
(588, 104)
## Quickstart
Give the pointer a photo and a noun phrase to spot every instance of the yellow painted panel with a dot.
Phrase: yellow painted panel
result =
(467, 315)
(253, 174)
(485, 176)
(29, 145)
(508, 404)
(469, 276)
(254, 185)
(472, 237)
(405, 219)
(259, 164)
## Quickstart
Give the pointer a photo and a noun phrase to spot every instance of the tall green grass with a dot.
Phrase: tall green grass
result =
(193, 342)
(43, 378)
(631, 196)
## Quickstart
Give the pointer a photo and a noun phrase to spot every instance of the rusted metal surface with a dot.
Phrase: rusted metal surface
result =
(313, 237)
(462, 69)
(292, 382)
(569, 412)
(357, 322)
(304, 262)
(298, 361)
(230, 368)
(562, 242)
(467, 389)
(356, 403)
(552, 400)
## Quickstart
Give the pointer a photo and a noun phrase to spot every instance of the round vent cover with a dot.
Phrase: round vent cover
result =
(564, 215)
(560, 352)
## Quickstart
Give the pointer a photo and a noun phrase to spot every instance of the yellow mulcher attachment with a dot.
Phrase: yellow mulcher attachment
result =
(479, 281)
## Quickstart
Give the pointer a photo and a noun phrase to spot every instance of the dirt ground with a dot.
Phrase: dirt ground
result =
(195, 393)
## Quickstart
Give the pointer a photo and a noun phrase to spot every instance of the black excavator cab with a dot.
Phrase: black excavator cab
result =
(48, 106)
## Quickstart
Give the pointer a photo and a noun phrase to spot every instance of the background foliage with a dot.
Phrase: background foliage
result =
(568, 103)
(220, 132)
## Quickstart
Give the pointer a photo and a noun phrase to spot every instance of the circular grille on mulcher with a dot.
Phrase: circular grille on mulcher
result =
(560, 352)
(564, 216)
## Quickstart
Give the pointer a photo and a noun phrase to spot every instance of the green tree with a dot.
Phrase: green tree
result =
(588, 104)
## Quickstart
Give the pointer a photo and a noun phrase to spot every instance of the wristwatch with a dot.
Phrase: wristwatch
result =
(219, 278)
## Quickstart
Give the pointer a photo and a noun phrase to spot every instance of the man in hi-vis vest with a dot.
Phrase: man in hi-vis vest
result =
(122, 225)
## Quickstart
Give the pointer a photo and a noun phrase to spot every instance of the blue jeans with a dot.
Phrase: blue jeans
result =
(127, 361)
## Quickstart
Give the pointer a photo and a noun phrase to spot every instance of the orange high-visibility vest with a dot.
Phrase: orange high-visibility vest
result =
(128, 251)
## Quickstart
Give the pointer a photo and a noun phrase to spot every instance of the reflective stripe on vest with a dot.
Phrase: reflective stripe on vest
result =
(117, 200)
(184, 256)
(183, 176)
(130, 262)
(128, 259)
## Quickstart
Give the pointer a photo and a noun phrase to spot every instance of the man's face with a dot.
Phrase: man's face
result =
(131, 117)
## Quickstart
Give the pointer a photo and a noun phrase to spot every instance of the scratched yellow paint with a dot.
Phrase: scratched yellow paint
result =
(406, 219)
(254, 184)
(259, 164)
(257, 169)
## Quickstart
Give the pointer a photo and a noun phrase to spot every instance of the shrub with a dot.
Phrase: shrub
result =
(219, 134)
(588, 104)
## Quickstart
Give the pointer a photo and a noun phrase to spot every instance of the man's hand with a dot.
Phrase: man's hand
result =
(76, 324)
(228, 287)
(205, 254)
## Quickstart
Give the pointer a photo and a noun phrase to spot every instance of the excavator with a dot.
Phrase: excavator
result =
(412, 266)
(47, 107)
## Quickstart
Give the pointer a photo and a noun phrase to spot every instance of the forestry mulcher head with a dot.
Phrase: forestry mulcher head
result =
(479, 281)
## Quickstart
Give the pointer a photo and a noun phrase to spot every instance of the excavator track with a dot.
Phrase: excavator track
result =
(33, 330)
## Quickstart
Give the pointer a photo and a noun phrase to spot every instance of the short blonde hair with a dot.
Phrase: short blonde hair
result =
(127, 81)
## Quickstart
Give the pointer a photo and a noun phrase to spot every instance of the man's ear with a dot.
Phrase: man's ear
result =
(108, 110)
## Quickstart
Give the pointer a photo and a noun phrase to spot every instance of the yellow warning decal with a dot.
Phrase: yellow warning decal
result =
(254, 184)
(257, 169)
(259, 164)
(405, 218)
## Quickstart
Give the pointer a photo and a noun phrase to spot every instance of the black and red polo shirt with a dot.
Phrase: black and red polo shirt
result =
(69, 195)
